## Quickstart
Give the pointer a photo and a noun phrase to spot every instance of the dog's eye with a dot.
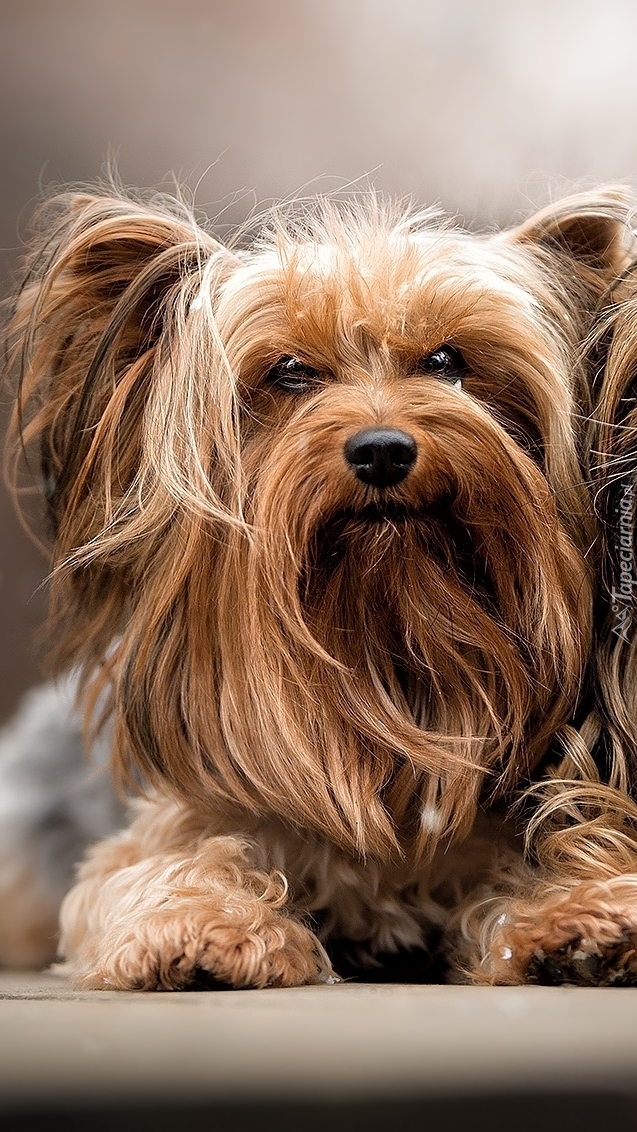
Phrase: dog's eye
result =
(292, 375)
(445, 362)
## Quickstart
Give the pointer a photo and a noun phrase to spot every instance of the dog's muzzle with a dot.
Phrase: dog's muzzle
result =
(381, 457)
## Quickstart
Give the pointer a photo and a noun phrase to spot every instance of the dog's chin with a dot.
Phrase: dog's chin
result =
(379, 511)
(350, 530)
(378, 533)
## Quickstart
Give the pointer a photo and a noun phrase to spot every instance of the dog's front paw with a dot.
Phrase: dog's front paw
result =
(188, 948)
(175, 920)
(583, 936)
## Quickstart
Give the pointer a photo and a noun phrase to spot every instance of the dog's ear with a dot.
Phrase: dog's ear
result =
(124, 395)
(589, 233)
(590, 239)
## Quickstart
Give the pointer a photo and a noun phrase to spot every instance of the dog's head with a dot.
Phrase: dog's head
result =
(317, 501)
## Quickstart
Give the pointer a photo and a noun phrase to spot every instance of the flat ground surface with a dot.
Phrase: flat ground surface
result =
(345, 1056)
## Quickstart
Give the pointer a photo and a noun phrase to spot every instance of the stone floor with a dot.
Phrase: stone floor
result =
(348, 1056)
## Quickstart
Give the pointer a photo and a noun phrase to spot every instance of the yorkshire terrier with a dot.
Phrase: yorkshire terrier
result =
(325, 551)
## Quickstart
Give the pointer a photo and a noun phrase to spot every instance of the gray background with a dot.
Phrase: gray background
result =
(486, 106)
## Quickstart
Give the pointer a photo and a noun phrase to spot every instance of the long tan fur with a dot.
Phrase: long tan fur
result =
(321, 675)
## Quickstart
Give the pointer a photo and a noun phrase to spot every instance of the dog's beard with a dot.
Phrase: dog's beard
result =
(426, 609)
(383, 588)
(388, 662)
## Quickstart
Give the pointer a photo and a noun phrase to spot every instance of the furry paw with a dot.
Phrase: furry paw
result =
(585, 936)
(189, 949)
(174, 921)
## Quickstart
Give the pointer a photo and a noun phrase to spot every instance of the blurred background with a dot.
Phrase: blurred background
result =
(485, 106)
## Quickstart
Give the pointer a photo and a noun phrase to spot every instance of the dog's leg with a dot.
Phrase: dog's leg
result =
(584, 934)
(571, 918)
(167, 908)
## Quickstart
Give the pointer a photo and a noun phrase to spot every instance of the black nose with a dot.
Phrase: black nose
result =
(381, 456)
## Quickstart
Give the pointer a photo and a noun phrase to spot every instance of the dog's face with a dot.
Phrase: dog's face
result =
(321, 501)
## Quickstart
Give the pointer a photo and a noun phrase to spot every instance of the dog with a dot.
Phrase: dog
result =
(326, 554)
